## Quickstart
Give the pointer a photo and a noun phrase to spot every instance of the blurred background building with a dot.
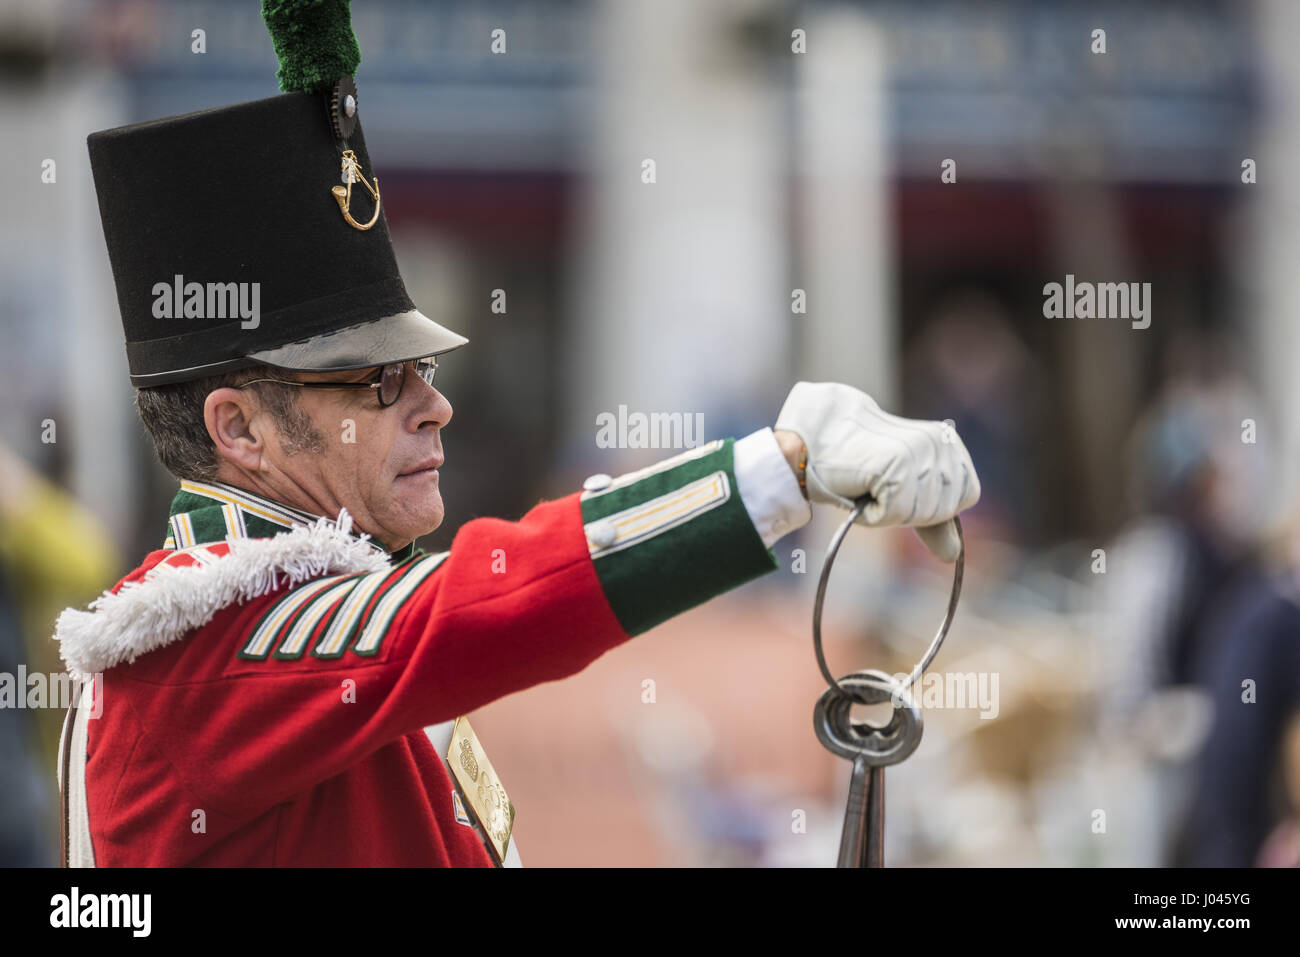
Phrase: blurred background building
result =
(686, 207)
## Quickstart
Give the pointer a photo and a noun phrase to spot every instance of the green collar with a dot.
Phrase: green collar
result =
(205, 512)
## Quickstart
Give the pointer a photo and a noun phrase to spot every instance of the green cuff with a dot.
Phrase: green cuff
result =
(671, 536)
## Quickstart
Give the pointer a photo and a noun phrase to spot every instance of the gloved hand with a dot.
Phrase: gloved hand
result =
(917, 472)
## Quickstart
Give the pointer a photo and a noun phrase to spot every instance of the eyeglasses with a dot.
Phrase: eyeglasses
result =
(388, 386)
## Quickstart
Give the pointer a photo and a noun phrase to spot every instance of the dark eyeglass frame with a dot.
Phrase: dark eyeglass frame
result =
(393, 372)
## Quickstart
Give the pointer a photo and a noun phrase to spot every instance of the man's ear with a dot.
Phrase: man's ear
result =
(235, 427)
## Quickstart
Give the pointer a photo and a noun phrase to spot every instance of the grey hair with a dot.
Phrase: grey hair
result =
(173, 416)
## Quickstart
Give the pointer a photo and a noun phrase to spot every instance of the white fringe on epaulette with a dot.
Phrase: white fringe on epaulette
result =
(171, 601)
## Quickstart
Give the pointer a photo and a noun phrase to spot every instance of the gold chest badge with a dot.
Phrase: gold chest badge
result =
(481, 787)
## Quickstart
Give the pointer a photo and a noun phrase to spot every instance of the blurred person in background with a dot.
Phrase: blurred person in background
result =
(1282, 848)
(1245, 655)
(25, 797)
(967, 364)
(52, 552)
(1207, 658)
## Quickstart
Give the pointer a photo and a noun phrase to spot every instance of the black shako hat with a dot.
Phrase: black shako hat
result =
(254, 234)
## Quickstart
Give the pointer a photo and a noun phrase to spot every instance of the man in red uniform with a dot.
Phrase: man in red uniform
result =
(284, 681)
(268, 676)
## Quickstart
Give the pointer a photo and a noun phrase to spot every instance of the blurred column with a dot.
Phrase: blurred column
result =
(60, 301)
(1098, 365)
(842, 216)
(107, 435)
(1270, 251)
(842, 209)
(681, 299)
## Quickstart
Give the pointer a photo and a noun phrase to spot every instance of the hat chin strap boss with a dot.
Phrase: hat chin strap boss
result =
(343, 119)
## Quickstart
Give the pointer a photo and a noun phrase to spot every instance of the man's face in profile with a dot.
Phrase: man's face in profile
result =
(379, 463)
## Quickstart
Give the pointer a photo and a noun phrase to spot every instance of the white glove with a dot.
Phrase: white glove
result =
(917, 472)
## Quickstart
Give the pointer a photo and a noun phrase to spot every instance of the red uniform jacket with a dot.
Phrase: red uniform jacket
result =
(267, 678)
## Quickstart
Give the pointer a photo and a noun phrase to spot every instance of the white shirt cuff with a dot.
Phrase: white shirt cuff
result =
(768, 487)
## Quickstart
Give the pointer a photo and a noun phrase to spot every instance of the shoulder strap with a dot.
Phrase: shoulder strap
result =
(74, 820)
(68, 720)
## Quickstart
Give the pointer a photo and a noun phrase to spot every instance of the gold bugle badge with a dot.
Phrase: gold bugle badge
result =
(352, 174)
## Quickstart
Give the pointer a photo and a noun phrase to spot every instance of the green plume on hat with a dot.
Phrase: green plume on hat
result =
(314, 42)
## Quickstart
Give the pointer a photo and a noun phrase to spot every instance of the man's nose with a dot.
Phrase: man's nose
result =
(444, 407)
(432, 406)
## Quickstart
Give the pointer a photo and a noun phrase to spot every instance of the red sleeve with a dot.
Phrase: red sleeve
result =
(510, 605)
